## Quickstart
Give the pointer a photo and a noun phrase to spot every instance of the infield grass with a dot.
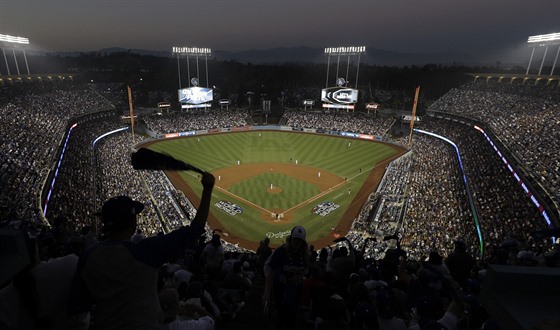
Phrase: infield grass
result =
(274, 190)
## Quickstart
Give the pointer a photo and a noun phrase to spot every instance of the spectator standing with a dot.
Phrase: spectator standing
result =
(37, 297)
(343, 265)
(263, 252)
(460, 264)
(213, 255)
(120, 277)
(285, 271)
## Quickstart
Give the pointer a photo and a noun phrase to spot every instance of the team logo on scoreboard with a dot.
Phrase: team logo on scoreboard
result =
(339, 95)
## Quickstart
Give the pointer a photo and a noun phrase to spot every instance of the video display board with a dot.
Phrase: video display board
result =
(196, 95)
(339, 95)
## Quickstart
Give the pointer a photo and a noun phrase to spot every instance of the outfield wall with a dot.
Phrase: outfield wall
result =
(273, 128)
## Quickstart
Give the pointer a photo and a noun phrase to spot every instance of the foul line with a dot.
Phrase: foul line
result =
(243, 199)
(336, 185)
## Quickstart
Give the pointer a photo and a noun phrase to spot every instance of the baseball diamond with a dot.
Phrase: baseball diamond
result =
(277, 179)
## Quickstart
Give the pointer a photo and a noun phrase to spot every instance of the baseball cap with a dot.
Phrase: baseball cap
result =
(298, 232)
(118, 209)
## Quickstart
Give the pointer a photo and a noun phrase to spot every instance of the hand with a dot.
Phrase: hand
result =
(207, 180)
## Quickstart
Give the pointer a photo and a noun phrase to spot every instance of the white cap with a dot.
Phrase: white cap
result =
(298, 232)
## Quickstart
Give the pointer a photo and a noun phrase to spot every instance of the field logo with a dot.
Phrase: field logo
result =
(325, 208)
(280, 234)
(229, 207)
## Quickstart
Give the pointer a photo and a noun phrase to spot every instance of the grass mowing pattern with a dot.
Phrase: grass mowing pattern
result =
(326, 153)
(256, 189)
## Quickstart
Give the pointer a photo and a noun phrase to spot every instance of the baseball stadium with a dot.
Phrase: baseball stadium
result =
(395, 193)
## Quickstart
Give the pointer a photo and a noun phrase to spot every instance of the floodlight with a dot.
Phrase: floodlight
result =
(544, 38)
(193, 51)
(13, 39)
(351, 50)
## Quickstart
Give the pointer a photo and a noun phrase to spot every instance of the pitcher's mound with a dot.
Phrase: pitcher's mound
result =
(274, 190)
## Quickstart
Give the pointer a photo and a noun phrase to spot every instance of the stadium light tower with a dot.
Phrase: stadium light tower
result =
(340, 51)
(8, 41)
(540, 41)
(192, 51)
(342, 96)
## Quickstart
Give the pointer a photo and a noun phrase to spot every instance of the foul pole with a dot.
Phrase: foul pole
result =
(131, 113)
(413, 118)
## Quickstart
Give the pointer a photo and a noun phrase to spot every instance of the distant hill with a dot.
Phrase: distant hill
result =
(373, 56)
(303, 54)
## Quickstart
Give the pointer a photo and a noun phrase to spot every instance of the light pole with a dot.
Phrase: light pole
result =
(543, 40)
(13, 43)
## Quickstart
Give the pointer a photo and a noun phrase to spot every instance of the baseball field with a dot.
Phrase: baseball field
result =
(269, 181)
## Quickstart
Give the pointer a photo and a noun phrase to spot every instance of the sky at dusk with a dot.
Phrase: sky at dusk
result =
(478, 27)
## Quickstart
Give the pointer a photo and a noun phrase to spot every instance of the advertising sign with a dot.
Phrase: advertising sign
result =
(338, 106)
(408, 118)
(195, 106)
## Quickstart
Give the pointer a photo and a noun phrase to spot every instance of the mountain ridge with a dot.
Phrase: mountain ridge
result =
(303, 54)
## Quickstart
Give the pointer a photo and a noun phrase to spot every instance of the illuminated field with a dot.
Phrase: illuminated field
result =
(264, 173)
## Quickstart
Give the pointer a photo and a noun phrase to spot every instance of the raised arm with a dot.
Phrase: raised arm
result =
(204, 207)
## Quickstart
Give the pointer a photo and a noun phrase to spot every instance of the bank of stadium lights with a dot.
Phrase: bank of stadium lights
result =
(343, 51)
(351, 50)
(14, 40)
(195, 52)
(13, 43)
(543, 40)
(192, 51)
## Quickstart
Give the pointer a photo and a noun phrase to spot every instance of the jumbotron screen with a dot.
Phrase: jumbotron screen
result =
(196, 95)
(339, 95)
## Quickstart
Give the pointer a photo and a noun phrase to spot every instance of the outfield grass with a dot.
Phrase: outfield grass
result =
(325, 153)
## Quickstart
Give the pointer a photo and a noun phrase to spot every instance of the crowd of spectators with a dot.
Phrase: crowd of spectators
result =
(34, 120)
(437, 206)
(381, 215)
(420, 209)
(197, 120)
(504, 211)
(356, 122)
(523, 116)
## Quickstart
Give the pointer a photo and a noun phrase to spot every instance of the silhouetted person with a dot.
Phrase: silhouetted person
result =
(285, 271)
(460, 263)
(263, 252)
(120, 277)
(37, 297)
(213, 255)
